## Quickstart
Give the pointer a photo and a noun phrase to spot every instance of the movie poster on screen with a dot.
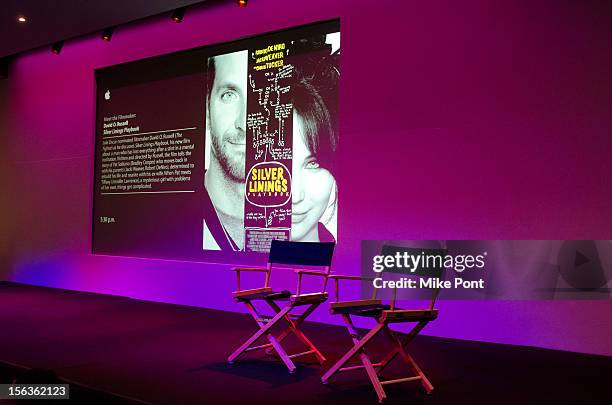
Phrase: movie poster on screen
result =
(272, 138)
(267, 213)
(271, 143)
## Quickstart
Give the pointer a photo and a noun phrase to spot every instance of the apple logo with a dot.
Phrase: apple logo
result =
(107, 95)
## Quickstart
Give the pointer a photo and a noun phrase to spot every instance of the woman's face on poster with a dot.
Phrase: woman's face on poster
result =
(311, 187)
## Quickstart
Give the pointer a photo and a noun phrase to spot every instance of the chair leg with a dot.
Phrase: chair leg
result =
(424, 380)
(297, 321)
(264, 330)
(401, 349)
(367, 364)
(392, 354)
(358, 348)
(294, 328)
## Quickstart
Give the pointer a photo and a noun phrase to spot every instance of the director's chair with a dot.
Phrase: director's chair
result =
(314, 255)
(384, 314)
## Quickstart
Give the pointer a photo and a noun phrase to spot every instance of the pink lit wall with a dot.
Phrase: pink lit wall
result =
(468, 120)
(5, 166)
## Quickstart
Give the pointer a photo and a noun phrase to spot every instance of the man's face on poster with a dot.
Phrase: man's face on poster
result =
(227, 113)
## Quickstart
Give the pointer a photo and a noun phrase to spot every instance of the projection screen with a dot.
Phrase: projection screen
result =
(218, 150)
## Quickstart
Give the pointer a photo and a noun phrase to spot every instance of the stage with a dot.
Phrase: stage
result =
(138, 351)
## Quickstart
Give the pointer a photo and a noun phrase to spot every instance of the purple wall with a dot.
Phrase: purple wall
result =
(475, 120)
(5, 169)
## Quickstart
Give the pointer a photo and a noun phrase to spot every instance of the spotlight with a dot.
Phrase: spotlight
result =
(178, 14)
(21, 18)
(107, 34)
(56, 48)
(242, 3)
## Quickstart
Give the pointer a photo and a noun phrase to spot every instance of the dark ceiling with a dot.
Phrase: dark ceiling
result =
(49, 21)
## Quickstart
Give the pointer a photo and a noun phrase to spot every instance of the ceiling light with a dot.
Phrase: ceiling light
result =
(21, 18)
(107, 34)
(178, 14)
(56, 48)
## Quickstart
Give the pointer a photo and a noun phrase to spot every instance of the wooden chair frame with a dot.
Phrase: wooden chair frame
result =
(310, 300)
(374, 369)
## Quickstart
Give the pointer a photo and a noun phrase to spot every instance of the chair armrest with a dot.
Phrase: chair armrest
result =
(253, 269)
(338, 277)
(346, 277)
(301, 272)
(249, 269)
(311, 272)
